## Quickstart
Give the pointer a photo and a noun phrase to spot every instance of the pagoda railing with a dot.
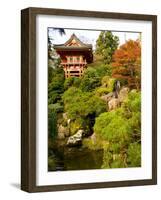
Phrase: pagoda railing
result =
(74, 63)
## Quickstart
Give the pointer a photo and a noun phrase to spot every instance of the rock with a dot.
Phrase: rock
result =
(133, 91)
(123, 94)
(93, 138)
(68, 121)
(107, 97)
(76, 139)
(62, 131)
(113, 104)
(65, 116)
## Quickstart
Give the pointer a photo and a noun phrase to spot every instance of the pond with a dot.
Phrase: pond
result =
(63, 158)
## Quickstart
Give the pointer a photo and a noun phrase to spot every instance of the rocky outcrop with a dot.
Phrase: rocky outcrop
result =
(76, 139)
(107, 97)
(123, 94)
(62, 131)
(66, 119)
(113, 104)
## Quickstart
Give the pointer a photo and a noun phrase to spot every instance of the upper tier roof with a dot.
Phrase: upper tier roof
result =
(74, 43)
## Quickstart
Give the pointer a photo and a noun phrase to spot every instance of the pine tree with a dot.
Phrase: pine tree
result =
(106, 45)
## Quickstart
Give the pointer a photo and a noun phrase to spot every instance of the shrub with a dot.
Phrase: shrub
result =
(52, 124)
(90, 80)
(84, 106)
(57, 107)
(71, 81)
(134, 155)
(108, 82)
(122, 128)
(101, 91)
(56, 85)
(113, 127)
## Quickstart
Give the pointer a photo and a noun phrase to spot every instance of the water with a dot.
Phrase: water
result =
(63, 158)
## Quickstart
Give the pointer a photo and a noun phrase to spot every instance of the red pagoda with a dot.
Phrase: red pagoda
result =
(75, 55)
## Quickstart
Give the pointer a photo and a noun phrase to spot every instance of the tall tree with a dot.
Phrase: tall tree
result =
(53, 57)
(126, 64)
(106, 45)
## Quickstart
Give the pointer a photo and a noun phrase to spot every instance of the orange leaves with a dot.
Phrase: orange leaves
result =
(127, 63)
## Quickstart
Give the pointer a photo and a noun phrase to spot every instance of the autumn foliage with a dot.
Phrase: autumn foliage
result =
(126, 64)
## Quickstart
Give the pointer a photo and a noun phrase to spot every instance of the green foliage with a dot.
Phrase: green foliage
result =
(106, 45)
(56, 85)
(92, 77)
(50, 74)
(118, 162)
(121, 128)
(81, 104)
(108, 82)
(103, 70)
(75, 125)
(95, 142)
(52, 123)
(51, 163)
(82, 108)
(133, 103)
(90, 80)
(113, 127)
(55, 90)
(101, 91)
(134, 155)
(71, 81)
(118, 132)
(53, 110)
(107, 159)
(57, 107)
(107, 86)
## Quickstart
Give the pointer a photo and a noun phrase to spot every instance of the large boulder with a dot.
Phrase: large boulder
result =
(66, 119)
(107, 97)
(123, 94)
(113, 104)
(76, 139)
(62, 131)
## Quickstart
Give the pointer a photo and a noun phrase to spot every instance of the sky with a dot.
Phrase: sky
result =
(88, 36)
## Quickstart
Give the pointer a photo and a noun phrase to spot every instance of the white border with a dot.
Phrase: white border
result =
(43, 177)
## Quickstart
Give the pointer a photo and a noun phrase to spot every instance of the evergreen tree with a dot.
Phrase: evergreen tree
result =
(106, 45)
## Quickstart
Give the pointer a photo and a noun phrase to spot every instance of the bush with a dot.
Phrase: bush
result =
(90, 80)
(75, 126)
(134, 155)
(104, 70)
(52, 124)
(57, 107)
(101, 91)
(108, 83)
(71, 82)
(56, 85)
(122, 128)
(113, 127)
(83, 106)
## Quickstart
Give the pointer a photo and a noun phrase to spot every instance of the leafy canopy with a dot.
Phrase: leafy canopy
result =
(122, 129)
(81, 104)
(127, 63)
(106, 45)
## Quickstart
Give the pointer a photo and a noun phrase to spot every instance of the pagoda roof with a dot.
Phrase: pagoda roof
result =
(74, 43)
